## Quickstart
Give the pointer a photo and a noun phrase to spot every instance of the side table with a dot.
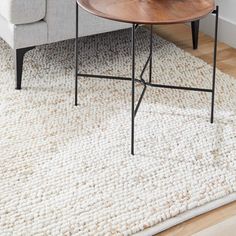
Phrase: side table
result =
(150, 12)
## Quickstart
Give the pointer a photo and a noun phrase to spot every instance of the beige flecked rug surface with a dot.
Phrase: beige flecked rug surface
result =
(67, 170)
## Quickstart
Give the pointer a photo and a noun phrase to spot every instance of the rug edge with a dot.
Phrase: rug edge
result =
(187, 215)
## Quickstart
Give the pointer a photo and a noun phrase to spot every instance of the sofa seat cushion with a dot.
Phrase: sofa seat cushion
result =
(22, 11)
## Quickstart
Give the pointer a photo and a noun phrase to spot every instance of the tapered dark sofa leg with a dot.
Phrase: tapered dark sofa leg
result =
(195, 33)
(19, 60)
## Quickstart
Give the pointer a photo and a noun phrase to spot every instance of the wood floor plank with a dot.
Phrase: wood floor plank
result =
(181, 36)
(227, 227)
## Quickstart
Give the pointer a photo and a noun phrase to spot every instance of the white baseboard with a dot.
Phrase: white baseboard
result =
(227, 29)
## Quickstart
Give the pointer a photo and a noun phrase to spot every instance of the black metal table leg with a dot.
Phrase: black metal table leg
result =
(214, 63)
(133, 88)
(150, 63)
(76, 54)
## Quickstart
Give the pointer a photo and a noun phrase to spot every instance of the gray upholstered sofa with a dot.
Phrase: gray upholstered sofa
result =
(25, 24)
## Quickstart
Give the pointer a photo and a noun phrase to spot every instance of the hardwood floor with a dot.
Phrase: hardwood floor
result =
(227, 227)
(181, 36)
(201, 222)
(226, 62)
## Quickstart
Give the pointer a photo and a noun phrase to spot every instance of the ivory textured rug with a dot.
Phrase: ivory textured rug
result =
(67, 170)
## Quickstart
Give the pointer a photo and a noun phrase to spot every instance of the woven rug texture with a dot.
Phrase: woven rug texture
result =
(67, 170)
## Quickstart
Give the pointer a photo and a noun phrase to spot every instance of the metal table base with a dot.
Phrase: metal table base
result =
(134, 108)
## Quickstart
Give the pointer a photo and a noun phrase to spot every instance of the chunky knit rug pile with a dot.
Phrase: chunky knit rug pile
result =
(67, 170)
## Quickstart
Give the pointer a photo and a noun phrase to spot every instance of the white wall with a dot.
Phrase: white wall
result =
(227, 22)
(228, 9)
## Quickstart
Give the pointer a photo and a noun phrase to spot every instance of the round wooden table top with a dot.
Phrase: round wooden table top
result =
(149, 11)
